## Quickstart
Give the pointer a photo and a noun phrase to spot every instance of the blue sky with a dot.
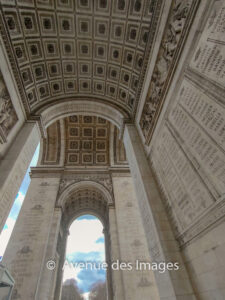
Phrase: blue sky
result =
(85, 242)
(11, 220)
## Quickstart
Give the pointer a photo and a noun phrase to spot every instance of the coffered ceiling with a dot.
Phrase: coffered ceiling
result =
(66, 49)
(83, 141)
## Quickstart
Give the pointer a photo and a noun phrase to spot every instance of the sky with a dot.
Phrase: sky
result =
(85, 244)
(11, 220)
(85, 241)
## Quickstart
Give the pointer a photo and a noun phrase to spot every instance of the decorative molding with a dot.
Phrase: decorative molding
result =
(156, 6)
(83, 107)
(121, 173)
(211, 218)
(215, 91)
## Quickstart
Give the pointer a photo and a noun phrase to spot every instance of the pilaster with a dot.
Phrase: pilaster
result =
(13, 167)
(160, 239)
(26, 252)
(137, 283)
(117, 280)
(48, 277)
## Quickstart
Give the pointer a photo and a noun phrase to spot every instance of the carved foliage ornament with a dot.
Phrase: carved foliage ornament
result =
(179, 18)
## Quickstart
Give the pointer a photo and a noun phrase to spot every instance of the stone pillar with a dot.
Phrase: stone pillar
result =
(61, 262)
(46, 288)
(13, 167)
(137, 284)
(161, 242)
(108, 261)
(117, 280)
(26, 252)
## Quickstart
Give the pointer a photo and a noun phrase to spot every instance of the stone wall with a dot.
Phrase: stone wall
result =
(205, 261)
(187, 152)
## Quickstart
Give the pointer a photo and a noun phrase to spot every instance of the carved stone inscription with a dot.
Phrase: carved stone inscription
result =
(200, 123)
(187, 196)
(209, 57)
(204, 110)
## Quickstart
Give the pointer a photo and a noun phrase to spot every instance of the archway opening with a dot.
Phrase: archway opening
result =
(84, 274)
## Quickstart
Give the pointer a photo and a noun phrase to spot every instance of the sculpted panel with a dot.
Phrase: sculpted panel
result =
(179, 19)
(209, 57)
(8, 117)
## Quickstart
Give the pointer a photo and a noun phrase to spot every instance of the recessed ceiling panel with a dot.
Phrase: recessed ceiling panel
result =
(84, 48)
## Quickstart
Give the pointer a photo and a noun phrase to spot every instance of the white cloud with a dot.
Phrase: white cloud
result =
(83, 237)
(86, 296)
(20, 197)
(5, 235)
(70, 271)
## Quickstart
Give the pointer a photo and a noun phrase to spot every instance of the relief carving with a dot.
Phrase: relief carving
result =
(144, 282)
(8, 117)
(167, 54)
(104, 180)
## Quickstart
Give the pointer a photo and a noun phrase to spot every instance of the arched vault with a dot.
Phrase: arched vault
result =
(69, 51)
